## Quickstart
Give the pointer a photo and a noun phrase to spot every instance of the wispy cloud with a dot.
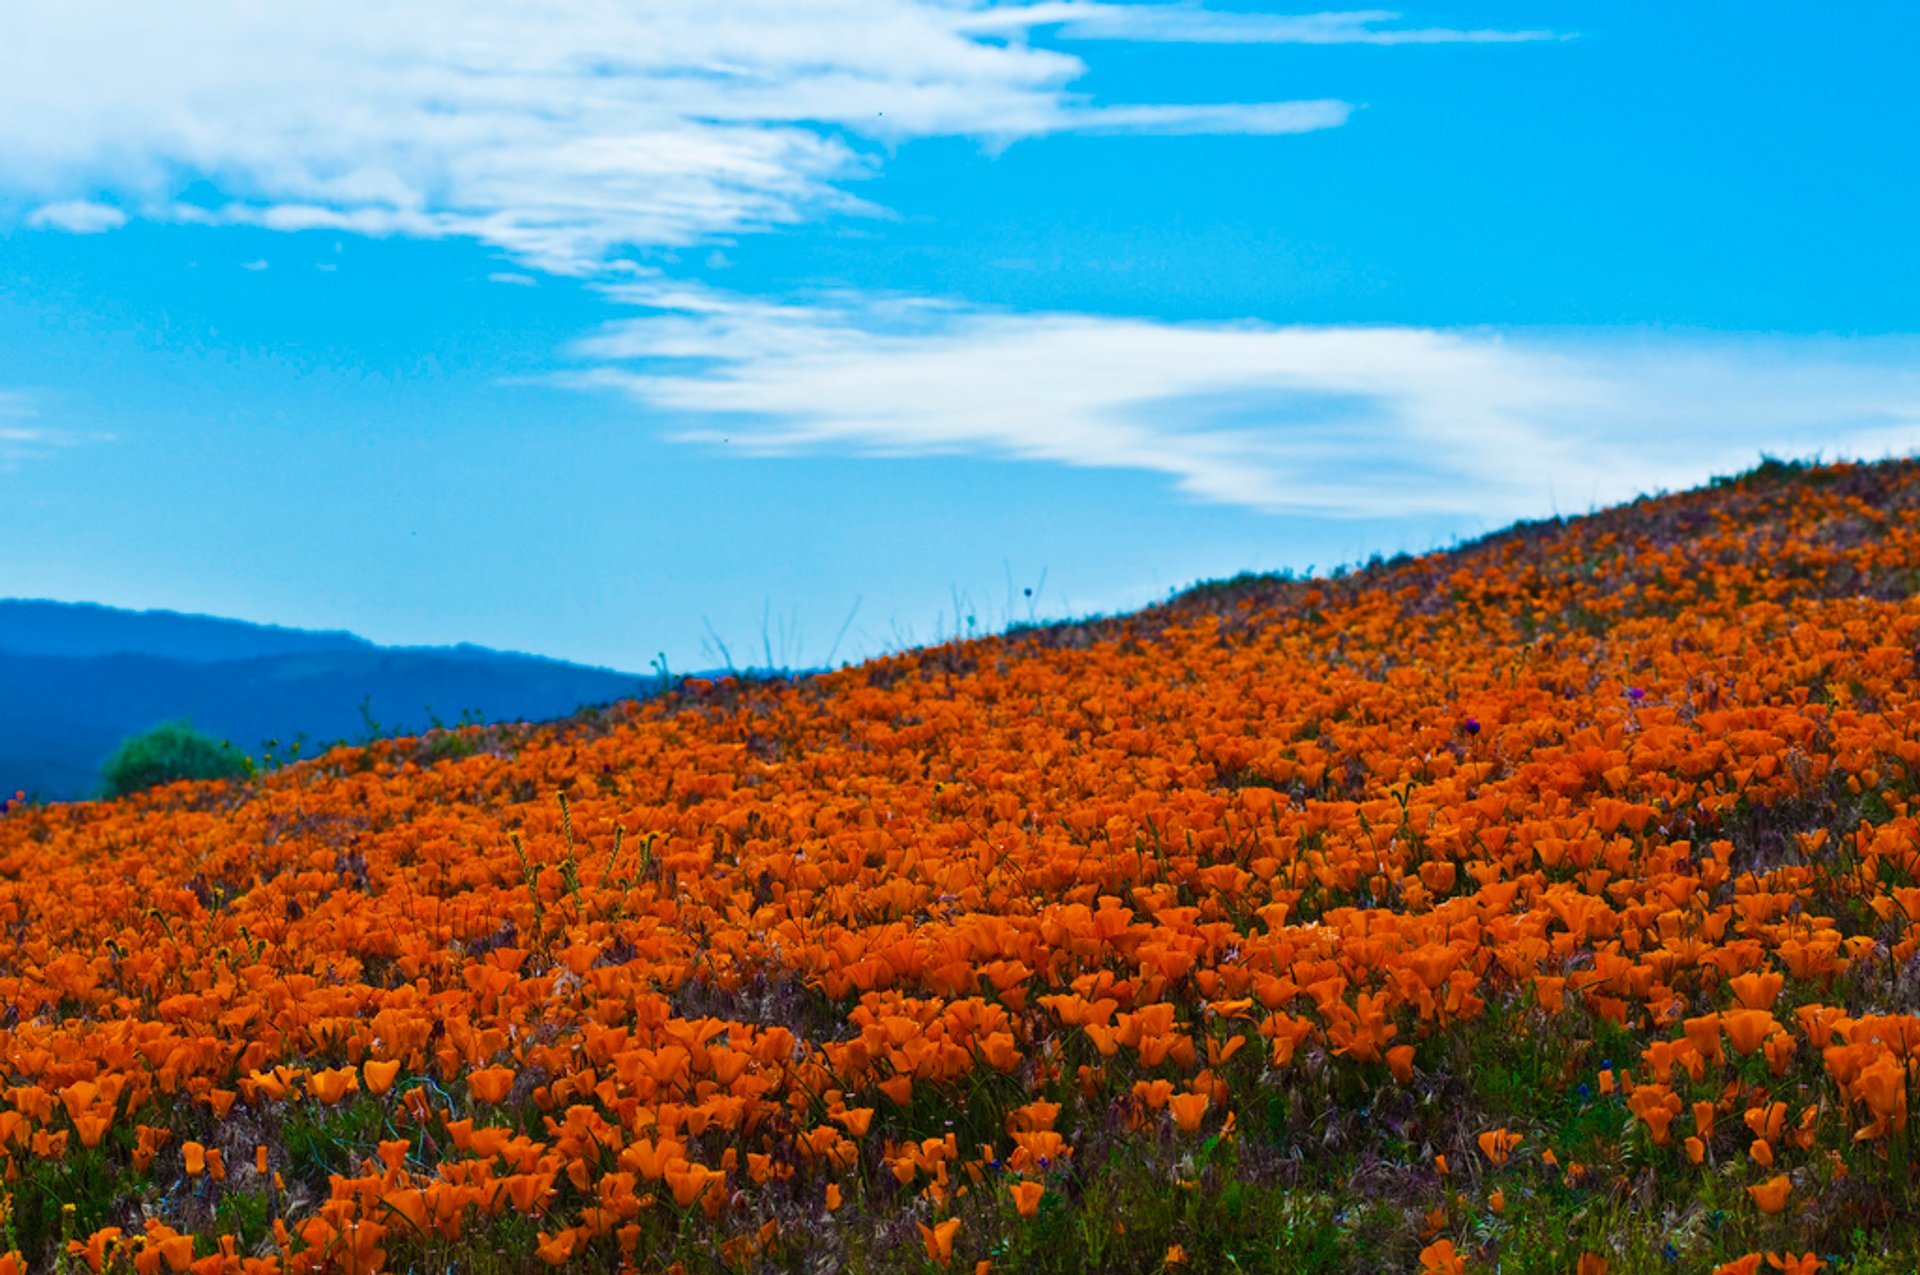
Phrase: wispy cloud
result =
(77, 216)
(1260, 118)
(559, 135)
(19, 436)
(1195, 24)
(1374, 421)
(24, 438)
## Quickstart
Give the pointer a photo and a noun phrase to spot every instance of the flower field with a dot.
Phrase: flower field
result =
(1547, 905)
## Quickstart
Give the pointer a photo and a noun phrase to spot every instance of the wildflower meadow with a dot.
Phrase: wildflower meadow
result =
(1550, 904)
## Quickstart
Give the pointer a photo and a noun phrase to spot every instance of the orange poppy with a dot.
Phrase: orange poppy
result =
(1498, 1145)
(1188, 1110)
(938, 1240)
(1440, 1258)
(332, 1086)
(1771, 1196)
(380, 1075)
(491, 1084)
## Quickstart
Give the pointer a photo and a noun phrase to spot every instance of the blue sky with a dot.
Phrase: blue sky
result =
(816, 328)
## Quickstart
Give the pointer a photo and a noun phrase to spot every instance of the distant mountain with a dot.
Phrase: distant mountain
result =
(76, 679)
(78, 630)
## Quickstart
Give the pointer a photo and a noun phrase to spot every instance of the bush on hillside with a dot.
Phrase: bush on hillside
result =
(170, 751)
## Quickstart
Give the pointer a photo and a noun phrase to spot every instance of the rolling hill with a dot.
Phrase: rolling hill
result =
(1551, 904)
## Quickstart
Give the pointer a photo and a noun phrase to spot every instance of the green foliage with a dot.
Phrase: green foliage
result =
(1771, 469)
(448, 745)
(170, 751)
(88, 1179)
(321, 1140)
(247, 1215)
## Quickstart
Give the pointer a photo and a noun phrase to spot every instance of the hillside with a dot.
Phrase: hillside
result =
(76, 679)
(1546, 905)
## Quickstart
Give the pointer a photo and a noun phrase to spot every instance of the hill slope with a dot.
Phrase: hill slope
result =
(77, 679)
(1548, 905)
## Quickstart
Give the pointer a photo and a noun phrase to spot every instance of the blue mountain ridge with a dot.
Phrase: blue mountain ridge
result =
(77, 678)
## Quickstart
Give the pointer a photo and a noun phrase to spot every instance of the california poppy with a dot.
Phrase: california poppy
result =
(1771, 1196)
(938, 1240)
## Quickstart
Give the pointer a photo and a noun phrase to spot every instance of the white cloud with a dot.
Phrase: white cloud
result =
(1227, 117)
(559, 134)
(22, 438)
(1332, 421)
(77, 216)
(1192, 24)
(514, 278)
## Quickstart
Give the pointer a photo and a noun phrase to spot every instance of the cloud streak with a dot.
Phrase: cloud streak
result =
(23, 438)
(1194, 24)
(560, 138)
(1338, 421)
(76, 216)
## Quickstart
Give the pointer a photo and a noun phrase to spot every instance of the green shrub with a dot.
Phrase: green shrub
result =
(169, 752)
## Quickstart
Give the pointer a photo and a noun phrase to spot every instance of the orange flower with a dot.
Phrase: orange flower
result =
(92, 1128)
(1771, 1196)
(1026, 1197)
(1498, 1145)
(176, 1251)
(1439, 1258)
(1592, 1264)
(380, 1075)
(195, 1156)
(491, 1084)
(1187, 1109)
(855, 1120)
(689, 1182)
(392, 1153)
(1882, 1086)
(556, 1249)
(1748, 1029)
(1757, 990)
(333, 1086)
(526, 1191)
(1703, 1034)
(938, 1240)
